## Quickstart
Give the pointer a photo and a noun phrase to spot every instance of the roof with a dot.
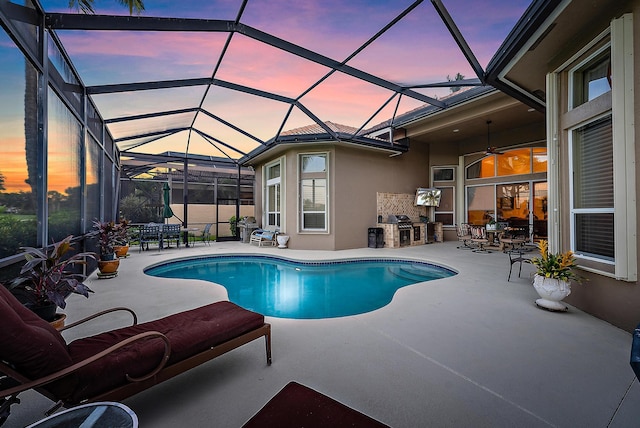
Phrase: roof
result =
(317, 129)
(226, 78)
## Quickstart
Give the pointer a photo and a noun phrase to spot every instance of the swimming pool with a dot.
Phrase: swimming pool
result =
(287, 288)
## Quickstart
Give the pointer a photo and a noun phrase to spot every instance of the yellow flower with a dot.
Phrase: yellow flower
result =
(559, 266)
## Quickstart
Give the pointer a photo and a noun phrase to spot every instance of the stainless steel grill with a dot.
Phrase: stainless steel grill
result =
(403, 221)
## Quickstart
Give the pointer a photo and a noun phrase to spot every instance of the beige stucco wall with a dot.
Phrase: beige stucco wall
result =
(201, 214)
(359, 175)
(356, 174)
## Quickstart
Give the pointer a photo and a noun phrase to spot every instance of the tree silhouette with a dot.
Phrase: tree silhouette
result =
(86, 6)
(457, 77)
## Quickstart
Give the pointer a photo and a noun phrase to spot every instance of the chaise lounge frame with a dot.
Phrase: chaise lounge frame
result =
(261, 236)
(14, 382)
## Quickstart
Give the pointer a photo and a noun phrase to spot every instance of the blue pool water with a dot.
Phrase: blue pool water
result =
(304, 290)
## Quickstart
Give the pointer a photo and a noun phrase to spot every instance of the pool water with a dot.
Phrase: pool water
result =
(304, 290)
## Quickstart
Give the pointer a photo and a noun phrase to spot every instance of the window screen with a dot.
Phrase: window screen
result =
(593, 189)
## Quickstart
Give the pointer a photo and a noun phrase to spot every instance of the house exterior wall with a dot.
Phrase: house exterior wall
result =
(356, 174)
(360, 175)
(602, 294)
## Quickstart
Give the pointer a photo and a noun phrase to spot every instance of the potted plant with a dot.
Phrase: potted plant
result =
(108, 233)
(553, 277)
(47, 279)
(121, 239)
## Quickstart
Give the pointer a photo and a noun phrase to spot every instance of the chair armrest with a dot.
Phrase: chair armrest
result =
(98, 314)
(69, 370)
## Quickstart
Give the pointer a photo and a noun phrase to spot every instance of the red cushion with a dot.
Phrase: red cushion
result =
(297, 406)
(189, 332)
(30, 344)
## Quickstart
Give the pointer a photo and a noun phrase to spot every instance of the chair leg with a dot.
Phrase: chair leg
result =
(465, 245)
(481, 248)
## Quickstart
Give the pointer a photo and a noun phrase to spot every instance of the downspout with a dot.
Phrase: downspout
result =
(238, 202)
(185, 192)
(553, 173)
(460, 193)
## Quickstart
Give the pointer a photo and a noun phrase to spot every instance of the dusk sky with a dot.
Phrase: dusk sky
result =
(417, 50)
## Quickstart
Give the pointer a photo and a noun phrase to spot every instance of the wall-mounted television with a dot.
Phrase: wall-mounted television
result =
(428, 197)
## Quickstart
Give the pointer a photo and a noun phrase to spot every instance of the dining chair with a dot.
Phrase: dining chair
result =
(479, 237)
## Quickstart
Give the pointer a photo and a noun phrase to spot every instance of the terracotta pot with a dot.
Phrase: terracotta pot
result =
(46, 312)
(121, 250)
(108, 266)
(58, 321)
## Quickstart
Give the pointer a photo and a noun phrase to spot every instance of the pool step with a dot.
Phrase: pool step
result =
(416, 273)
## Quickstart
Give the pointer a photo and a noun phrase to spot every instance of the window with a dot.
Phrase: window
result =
(514, 162)
(313, 192)
(444, 213)
(510, 162)
(596, 153)
(443, 174)
(592, 207)
(484, 168)
(92, 189)
(539, 159)
(592, 79)
(273, 208)
(20, 189)
(64, 170)
(481, 204)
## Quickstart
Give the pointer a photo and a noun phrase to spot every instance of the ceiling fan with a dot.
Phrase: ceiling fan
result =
(491, 150)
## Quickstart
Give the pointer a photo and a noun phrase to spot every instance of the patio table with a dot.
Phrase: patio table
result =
(186, 231)
(96, 415)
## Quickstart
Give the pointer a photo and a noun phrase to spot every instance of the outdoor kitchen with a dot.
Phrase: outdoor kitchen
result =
(403, 223)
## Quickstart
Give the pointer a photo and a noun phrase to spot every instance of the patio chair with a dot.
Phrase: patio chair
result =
(116, 364)
(479, 237)
(149, 233)
(516, 257)
(263, 236)
(206, 234)
(464, 235)
(170, 232)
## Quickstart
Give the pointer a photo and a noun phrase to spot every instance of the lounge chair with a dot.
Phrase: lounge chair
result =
(263, 236)
(116, 364)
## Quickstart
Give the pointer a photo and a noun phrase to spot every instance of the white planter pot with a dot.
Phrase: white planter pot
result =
(551, 292)
(282, 241)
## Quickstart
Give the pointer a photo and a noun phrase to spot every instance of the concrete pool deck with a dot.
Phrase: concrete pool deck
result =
(469, 350)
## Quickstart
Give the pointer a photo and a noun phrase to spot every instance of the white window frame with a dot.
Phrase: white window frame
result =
(305, 176)
(436, 210)
(576, 211)
(278, 183)
(433, 172)
(623, 129)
